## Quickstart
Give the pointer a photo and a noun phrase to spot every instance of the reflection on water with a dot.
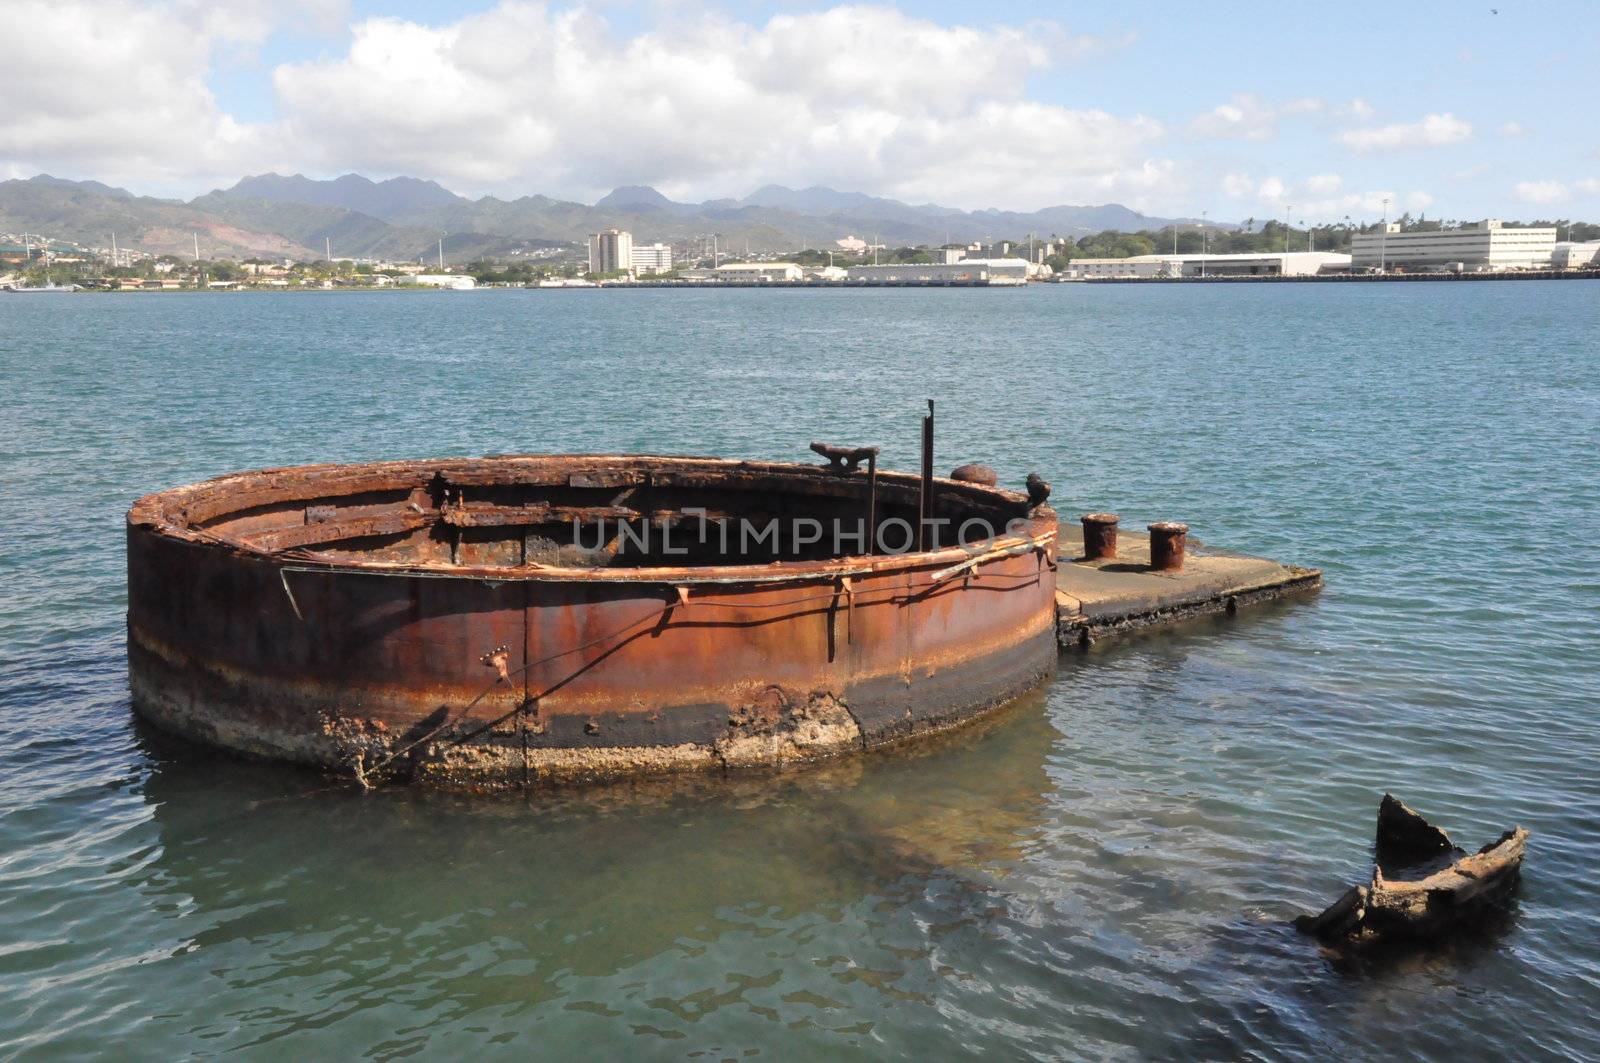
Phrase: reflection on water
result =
(597, 905)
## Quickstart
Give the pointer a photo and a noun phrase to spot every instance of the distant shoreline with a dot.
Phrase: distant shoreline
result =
(1354, 278)
(1532, 275)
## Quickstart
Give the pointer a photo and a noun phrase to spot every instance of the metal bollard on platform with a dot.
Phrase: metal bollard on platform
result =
(1099, 536)
(1167, 541)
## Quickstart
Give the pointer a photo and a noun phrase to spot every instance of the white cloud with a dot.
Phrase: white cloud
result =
(1513, 129)
(1318, 198)
(1248, 117)
(117, 90)
(527, 97)
(863, 97)
(1589, 186)
(1238, 185)
(1540, 191)
(1357, 108)
(1434, 130)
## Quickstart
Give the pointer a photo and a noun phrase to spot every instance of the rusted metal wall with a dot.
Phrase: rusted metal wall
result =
(355, 665)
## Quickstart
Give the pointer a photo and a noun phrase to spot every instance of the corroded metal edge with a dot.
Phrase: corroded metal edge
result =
(1075, 630)
(165, 513)
(166, 695)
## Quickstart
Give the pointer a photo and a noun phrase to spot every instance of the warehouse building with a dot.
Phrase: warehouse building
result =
(1254, 264)
(966, 271)
(1570, 255)
(1143, 267)
(759, 273)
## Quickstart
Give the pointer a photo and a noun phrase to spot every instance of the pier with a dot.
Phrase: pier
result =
(1101, 597)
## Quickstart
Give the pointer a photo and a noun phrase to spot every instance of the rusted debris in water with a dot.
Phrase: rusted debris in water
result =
(1422, 885)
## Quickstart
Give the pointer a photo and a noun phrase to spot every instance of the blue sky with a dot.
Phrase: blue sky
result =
(1237, 110)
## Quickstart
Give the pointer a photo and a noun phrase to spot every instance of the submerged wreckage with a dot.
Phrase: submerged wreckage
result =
(1422, 885)
(530, 619)
(518, 620)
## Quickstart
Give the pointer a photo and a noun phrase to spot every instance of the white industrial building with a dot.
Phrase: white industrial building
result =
(1569, 255)
(1251, 264)
(651, 260)
(1145, 266)
(966, 271)
(454, 281)
(760, 272)
(1487, 245)
(611, 251)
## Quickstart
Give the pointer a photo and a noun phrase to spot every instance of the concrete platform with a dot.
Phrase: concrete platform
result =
(1095, 599)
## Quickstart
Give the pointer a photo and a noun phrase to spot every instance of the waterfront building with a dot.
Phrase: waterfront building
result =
(853, 244)
(651, 260)
(1486, 245)
(1145, 266)
(760, 272)
(948, 255)
(967, 270)
(611, 251)
(1569, 255)
(456, 281)
(1253, 264)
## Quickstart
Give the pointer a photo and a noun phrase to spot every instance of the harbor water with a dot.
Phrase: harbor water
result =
(1103, 869)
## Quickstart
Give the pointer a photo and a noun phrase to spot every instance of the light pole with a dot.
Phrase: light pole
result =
(1202, 243)
(1287, 212)
(1383, 239)
(1307, 228)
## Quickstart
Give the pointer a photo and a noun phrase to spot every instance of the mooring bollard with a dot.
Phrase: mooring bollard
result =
(975, 474)
(1099, 536)
(1167, 540)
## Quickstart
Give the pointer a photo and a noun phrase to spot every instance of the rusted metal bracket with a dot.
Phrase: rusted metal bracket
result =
(849, 592)
(499, 659)
(845, 459)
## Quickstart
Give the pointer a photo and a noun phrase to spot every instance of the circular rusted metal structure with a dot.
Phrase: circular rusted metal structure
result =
(520, 620)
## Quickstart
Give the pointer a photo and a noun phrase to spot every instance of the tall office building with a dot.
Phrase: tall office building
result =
(611, 251)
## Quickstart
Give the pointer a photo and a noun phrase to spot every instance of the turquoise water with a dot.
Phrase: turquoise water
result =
(1102, 870)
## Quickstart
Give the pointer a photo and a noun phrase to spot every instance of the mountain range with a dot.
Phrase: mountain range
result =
(404, 217)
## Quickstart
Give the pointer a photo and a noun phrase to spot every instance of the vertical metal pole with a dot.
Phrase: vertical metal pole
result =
(926, 501)
(872, 504)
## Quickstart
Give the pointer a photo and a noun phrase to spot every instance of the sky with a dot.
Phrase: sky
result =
(1235, 110)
